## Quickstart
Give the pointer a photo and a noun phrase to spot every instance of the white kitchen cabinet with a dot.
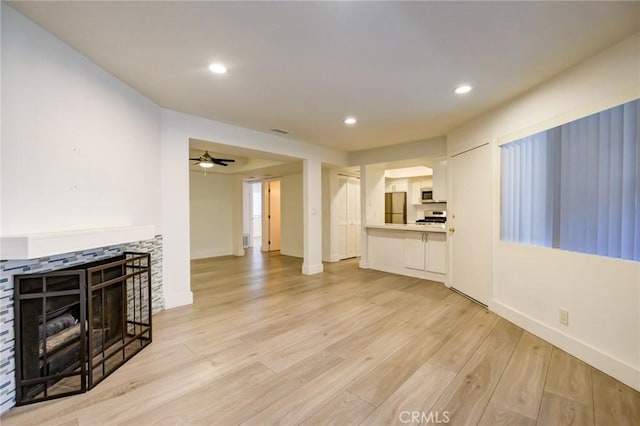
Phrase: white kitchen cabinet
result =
(436, 257)
(425, 251)
(440, 181)
(414, 250)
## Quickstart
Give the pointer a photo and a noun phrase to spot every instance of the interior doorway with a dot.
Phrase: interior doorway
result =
(271, 216)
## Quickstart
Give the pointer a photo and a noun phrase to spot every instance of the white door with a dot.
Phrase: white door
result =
(347, 204)
(341, 204)
(273, 215)
(470, 217)
(353, 217)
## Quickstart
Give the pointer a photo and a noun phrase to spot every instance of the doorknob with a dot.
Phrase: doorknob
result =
(452, 230)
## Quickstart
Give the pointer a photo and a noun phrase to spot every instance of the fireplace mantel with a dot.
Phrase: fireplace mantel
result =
(33, 246)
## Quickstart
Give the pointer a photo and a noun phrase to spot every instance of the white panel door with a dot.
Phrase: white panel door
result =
(353, 217)
(470, 208)
(341, 203)
(274, 215)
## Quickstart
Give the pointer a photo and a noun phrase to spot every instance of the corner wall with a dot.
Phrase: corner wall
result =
(80, 148)
(211, 214)
(530, 284)
(291, 232)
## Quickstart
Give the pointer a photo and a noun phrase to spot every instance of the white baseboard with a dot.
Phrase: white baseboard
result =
(363, 264)
(312, 269)
(173, 300)
(239, 252)
(616, 368)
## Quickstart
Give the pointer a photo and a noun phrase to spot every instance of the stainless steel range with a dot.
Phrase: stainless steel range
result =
(434, 218)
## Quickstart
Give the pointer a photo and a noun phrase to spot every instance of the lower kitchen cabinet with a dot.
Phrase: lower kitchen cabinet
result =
(425, 251)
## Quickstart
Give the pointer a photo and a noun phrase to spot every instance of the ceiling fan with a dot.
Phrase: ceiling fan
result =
(208, 161)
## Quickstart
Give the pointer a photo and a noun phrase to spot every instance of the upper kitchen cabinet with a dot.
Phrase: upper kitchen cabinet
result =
(440, 180)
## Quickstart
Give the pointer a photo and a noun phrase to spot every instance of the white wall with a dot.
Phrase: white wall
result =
(530, 284)
(80, 148)
(291, 232)
(211, 214)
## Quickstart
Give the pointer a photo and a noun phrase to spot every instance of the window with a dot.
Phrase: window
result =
(577, 186)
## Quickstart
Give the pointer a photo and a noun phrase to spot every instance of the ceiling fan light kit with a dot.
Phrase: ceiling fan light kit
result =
(207, 161)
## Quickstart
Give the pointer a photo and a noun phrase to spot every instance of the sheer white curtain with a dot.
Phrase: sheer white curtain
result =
(577, 186)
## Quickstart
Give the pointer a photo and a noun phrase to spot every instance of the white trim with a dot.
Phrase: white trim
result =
(34, 246)
(616, 368)
(312, 269)
(173, 300)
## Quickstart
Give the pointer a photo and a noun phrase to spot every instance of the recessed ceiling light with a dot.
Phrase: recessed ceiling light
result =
(350, 121)
(217, 68)
(462, 89)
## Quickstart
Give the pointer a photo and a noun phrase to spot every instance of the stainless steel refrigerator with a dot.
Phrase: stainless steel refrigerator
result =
(395, 207)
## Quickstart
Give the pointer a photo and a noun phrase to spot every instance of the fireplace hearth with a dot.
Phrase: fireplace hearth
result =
(74, 327)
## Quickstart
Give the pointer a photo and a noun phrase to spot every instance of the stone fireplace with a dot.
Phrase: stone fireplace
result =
(69, 315)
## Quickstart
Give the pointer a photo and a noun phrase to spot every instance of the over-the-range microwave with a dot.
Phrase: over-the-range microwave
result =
(427, 196)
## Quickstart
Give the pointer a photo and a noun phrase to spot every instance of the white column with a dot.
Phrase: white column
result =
(371, 204)
(237, 214)
(176, 262)
(312, 217)
(364, 241)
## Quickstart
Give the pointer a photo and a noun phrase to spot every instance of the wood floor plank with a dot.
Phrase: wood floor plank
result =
(420, 391)
(466, 398)
(298, 407)
(192, 404)
(560, 411)
(345, 409)
(614, 402)
(569, 378)
(319, 340)
(382, 381)
(520, 389)
(242, 407)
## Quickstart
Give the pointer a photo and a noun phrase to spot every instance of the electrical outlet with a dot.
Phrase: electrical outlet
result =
(564, 317)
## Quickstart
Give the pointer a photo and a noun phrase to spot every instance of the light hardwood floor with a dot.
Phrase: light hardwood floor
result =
(263, 344)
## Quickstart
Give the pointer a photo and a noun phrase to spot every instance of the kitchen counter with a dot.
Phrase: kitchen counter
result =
(418, 251)
(408, 227)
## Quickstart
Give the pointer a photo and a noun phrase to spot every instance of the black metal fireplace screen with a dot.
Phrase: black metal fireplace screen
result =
(74, 327)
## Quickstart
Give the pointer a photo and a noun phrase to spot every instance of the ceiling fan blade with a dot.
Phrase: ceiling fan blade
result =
(194, 159)
(222, 159)
(219, 163)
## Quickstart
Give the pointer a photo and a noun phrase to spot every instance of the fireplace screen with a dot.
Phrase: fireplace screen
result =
(76, 326)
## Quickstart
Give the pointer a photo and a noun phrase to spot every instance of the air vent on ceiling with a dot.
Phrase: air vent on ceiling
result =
(283, 132)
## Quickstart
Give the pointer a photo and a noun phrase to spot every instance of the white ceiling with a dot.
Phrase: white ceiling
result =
(305, 66)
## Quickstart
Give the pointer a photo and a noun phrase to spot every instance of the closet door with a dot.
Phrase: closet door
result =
(341, 204)
(353, 215)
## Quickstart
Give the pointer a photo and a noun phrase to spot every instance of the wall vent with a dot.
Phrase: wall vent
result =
(245, 240)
